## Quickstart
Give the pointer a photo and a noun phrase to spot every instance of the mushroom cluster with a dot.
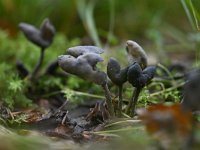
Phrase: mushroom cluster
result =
(137, 74)
(81, 61)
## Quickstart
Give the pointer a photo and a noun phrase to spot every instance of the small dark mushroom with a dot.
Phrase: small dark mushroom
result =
(136, 54)
(138, 79)
(84, 66)
(22, 70)
(118, 76)
(51, 68)
(42, 37)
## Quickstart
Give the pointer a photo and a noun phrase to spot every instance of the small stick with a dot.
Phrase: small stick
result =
(61, 107)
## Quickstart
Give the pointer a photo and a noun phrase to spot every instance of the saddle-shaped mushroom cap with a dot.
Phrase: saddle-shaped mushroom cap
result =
(117, 75)
(42, 37)
(83, 66)
(139, 78)
(80, 50)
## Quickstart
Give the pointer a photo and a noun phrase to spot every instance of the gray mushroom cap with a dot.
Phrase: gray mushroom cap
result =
(80, 50)
(42, 37)
(84, 67)
(136, 54)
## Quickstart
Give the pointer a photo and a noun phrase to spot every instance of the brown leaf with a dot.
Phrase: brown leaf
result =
(171, 119)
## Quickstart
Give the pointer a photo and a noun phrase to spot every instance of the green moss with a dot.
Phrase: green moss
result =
(12, 88)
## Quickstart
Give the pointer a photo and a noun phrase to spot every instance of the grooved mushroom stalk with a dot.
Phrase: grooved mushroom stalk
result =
(120, 103)
(108, 99)
(38, 65)
(132, 103)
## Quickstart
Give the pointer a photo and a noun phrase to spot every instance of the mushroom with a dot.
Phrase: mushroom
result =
(138, 79)
(42, 37)
(51, 68)
(22, 70)
(118, 76)
(84, 66)
(136, 54)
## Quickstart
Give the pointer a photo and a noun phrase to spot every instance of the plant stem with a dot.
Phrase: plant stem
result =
(120, 130)
(108, 99)
(133, 101)
(39, 64)
(167, 90)
(86, 13)
(168, 72)
(120, 100)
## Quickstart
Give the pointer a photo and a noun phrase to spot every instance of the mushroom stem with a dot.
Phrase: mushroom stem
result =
(120, 99)
(133, 102)
(108, 99)
(39, 64)
(137, 93)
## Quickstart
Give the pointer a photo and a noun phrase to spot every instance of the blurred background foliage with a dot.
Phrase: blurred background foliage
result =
(161, 25)
(131, 18)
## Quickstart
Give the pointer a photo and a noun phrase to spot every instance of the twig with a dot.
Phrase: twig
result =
(119, 130)
(124, 121)
(61, 107)
(74, 92)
